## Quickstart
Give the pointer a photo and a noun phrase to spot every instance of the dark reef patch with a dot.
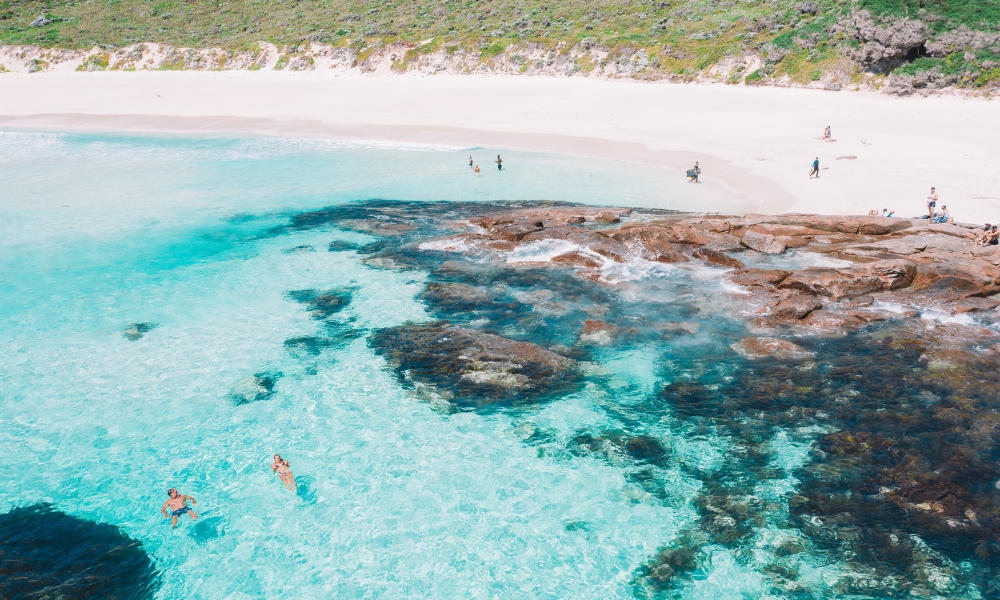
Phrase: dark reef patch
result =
(297, 249)
(135, 331)
(322, 304)
(342, 246)
(471, 368)
(45, 553)
(259, 386)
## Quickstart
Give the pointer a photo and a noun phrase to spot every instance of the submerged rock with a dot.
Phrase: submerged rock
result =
(259, 386)
(322, 304)
(342, 246)
(476, 368)
(135, 331)
(768, 347)
(45, 553)
(297, 249)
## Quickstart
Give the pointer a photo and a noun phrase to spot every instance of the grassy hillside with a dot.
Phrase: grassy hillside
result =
(798, 39)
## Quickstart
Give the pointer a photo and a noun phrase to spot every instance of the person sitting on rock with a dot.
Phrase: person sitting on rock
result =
(989, 238)
(974, 237)
(943, 216)
(873, 212)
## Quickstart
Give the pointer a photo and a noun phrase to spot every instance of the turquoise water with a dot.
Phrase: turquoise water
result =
(398, 496)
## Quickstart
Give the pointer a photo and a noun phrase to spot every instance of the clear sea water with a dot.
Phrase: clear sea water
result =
(397, 499)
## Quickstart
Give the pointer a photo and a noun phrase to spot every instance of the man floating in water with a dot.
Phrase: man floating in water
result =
(178, 504)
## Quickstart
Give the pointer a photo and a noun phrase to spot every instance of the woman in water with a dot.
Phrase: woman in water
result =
(476, 170)
(281, 467)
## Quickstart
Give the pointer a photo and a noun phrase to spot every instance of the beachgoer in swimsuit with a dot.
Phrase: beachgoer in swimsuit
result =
(943, 216)
(476, 170)
(694, 173)
(282, 468)
(499, 162)
(989, 238)
(976, 238)
(815, 169)
(932, 199)
(470, 160)
(178, 505)
(827, 134)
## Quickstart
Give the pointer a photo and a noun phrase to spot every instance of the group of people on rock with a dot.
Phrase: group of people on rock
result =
(989, 237)
(176, 505)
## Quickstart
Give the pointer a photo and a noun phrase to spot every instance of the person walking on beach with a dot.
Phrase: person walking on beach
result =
(177, 503)
(932, 199)
(693, 173)
(499, 163)
(283, 469)
(815, 169)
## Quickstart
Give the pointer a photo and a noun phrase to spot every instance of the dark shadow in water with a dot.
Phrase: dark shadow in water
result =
(207, 529)
(306, 489)
(45, 553)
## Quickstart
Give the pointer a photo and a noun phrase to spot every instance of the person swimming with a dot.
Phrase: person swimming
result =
(499, 162)
(178, 505)
(283, 469)
(476, 170)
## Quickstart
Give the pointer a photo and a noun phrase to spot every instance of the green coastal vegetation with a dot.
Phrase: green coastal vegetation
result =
(948, 42)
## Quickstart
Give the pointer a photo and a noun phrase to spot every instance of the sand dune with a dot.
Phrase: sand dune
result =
(756, 143)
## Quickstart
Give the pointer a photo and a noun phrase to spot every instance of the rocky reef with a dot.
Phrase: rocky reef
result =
(45, 553)
(470, 368)
(869, 343)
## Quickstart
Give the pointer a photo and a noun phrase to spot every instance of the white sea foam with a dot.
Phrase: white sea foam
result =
(452, 244)
(543, 251)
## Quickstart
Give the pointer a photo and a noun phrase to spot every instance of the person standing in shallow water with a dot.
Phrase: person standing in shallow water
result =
(476, 170)
(815, 169)
(177, 503)
(499, 163)
(284, 471)
(470, 160)
(694, 173)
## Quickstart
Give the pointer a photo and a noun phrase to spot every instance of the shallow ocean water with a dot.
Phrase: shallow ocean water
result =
(398, 495)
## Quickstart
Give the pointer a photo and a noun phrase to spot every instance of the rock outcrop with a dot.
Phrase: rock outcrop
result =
(471, 368)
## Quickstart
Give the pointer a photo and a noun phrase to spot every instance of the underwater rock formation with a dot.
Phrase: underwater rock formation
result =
(322, 304)
(259, 386)
(471, 368)
(135, 331)
(45, 553)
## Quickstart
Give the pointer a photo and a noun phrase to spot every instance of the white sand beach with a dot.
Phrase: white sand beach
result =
(755, 143)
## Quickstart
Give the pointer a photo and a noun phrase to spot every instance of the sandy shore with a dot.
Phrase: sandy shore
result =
(754, 143)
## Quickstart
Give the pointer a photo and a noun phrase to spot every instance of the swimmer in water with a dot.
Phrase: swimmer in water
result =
(178, 505)
(470, 160)
(476, 170)
(499, 162)
(282, 468)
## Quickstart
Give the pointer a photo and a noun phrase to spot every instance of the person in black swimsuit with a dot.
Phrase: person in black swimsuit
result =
(499, 162)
